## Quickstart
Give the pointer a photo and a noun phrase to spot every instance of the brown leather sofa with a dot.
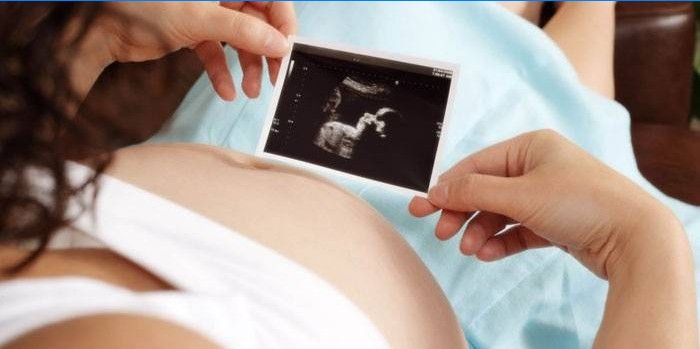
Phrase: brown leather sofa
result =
(654, 49)
(653, 69)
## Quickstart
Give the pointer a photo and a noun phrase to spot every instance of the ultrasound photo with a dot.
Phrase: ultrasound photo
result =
(366, 115)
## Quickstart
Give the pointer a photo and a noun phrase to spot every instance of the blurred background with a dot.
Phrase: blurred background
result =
(657, 65)
(696, 72)
(656, 78)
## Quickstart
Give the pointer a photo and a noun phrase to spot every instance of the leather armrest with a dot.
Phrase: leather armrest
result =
(654, 47)
(669, 157)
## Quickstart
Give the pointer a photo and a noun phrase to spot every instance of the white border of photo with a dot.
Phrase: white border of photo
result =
(279, 84)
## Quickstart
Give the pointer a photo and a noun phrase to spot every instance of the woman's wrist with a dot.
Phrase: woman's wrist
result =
(651, 299)
(84, 61)
(657, 238)
(90, 58)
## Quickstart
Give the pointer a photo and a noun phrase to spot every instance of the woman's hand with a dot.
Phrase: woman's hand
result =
(136, 31)
(560, 195)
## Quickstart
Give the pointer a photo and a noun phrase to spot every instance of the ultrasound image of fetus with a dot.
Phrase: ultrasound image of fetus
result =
(368, 117)
(340, 139)
(338, 135)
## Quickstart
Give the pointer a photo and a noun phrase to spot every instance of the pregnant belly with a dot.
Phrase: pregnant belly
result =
(311, 221)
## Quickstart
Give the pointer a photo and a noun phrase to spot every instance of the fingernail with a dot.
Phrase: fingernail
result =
(275, 43)
(438, 195)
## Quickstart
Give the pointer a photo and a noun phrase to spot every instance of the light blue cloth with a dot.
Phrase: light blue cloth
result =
(513, 79)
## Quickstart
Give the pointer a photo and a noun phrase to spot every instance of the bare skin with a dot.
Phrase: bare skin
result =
(309, 220)
(118, 328)
(585, 32)
(529, 10)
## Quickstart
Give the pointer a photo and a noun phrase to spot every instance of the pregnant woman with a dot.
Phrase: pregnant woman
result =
(188, 246)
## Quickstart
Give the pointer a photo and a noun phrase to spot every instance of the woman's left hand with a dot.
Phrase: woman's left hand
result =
(137, 31)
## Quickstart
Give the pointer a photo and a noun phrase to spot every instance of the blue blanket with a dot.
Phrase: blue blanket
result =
(513, 79)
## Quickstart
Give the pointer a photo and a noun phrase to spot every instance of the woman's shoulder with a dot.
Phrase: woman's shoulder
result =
(111, 331)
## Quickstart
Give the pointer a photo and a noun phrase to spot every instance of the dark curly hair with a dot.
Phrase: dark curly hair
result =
(38, 130)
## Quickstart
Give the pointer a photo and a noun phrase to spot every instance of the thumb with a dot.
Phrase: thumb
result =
(478, 192)
(242, 31)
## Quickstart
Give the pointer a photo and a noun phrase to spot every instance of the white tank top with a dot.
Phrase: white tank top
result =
(230, 289)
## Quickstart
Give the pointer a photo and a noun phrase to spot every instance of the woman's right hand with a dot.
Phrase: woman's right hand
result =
(562, 196)
(144, 31)
(557, 193)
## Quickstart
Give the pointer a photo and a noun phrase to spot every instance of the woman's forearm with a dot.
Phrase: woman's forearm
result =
(85, 59)
(651, 301)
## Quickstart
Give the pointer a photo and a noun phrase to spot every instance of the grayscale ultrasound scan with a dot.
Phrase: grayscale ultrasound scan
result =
(363, 115)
